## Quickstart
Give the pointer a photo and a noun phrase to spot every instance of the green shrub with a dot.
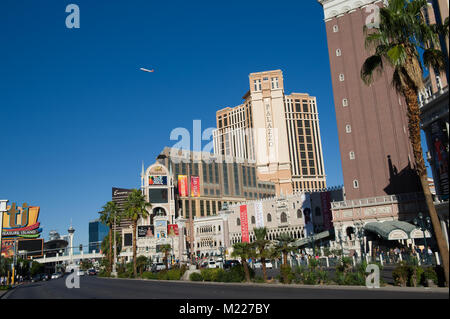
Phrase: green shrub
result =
(286, 274)
(149, 275)
(401, 274)
(5, 287)
(195, 277)
(429, 274)
(415, 275)
(259, 280)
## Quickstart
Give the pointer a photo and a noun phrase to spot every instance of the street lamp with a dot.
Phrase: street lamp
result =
(423, 225)
(360, 234)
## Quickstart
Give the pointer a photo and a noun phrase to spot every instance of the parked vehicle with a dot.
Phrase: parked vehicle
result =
(92, 272)
(158, 267)
(57, 275)
(36, 278)
(212, 264)
(231, 263)
(269, 264)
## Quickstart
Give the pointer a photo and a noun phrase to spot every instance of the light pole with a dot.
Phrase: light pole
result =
(114, 270)
(3, 204)
(423, 227)
(360, 234)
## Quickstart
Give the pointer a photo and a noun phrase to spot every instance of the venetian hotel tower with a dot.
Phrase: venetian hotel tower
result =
(376, 153)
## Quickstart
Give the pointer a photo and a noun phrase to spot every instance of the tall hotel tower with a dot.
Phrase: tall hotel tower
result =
(376, 154)
(279, 132)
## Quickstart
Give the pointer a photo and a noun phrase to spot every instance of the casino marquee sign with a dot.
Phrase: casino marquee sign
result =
(21, 222)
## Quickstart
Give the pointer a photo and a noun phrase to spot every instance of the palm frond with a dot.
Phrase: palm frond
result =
(371, 65)
(434, 59)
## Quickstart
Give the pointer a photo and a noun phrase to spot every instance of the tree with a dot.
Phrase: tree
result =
(284, 246)
(110, 214)
(401, 31)
(135, 208)
(244, 251)
(261, 244)
(105, 246)
(141, 264)
(165, 249)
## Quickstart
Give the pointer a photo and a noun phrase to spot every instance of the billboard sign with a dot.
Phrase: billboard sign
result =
(33, 247)
(244, 224)
(157, 180)
(21, 222)
(172, 229)
(146, 231)
(182, 185)
(259, 216)
(195, 186)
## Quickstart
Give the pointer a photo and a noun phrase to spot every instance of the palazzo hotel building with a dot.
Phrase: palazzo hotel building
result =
(279, 133)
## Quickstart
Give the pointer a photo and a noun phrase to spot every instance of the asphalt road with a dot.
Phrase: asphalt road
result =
(104, 288)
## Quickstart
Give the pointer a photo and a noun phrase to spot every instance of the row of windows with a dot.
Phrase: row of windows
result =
(274, 83)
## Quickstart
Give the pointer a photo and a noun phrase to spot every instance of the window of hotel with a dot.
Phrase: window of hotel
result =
(348, 128)
(355, 184)
(312, 171)
(253, 220)
(304, 171)
(257, 84)
(344, 102)
(335, 28)
(305, 107)
(269, 218)
(275, 83)
(338, 52)
(202, 208)
(341, 77)
(283, 217)
(299, 213)
(352, 155)
(238, 222)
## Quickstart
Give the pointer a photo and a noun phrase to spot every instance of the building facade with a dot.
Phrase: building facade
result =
(376, 153)
(97, 232)
(279, 132)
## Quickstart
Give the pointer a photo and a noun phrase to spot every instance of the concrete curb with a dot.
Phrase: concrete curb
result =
(6, 293)
(278, 285)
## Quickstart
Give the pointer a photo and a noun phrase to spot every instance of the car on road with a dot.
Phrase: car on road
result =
(212, 264)
(36, 278)
(230, 263)
(269, 264)
(45, 277)
(57, 275)
(92, 272)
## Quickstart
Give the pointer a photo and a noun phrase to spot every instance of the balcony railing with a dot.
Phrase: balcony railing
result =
(388, 199)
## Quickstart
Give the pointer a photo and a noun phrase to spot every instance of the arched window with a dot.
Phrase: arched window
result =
(269, 218)
(341, 77)
(283, 218)
(238, 222)
(348, 128)
(299, 213)
(335, 28)
(355, 184)
(344, 102)
(338, 52)
(352, 155)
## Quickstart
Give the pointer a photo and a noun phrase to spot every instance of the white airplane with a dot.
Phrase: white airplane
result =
(145, 70)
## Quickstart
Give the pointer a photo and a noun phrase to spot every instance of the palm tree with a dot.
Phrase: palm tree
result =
(135, 208)
(402, 30)
(284, 246)
(261, 244)
(244, 251)
(110, 210)
(106, 246)
(166, 248)
(141, 263)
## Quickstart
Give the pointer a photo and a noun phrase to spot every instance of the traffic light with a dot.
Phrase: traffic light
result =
(81, 247)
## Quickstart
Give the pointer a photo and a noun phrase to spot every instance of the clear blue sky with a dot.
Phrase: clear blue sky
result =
(78, 117)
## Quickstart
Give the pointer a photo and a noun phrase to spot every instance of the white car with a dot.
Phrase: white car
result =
(212, 264)
(56, 275)
(80, 272)
(269, 264)
(257, 264)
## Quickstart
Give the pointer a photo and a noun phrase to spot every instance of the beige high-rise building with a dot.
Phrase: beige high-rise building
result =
(279, 132)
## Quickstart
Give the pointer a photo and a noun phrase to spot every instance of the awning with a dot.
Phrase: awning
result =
(308, 240)
(395, 230)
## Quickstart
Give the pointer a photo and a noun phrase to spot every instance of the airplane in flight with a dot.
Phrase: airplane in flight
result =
(146, 70)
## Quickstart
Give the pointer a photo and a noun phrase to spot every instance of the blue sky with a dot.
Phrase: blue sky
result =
(78, 117)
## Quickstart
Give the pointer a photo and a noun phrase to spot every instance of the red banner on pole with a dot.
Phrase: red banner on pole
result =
(173, 229)
(195, 186)
(244, 224)
(182, 186)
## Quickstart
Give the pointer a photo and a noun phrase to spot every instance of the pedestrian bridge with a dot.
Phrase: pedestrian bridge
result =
(61, 258)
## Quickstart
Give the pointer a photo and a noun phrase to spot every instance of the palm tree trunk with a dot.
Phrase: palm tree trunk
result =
(246, 271)
(263, 265)
(134, 248)
(414, 135)
(166, 256)
(110, 249)
(285, 258)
